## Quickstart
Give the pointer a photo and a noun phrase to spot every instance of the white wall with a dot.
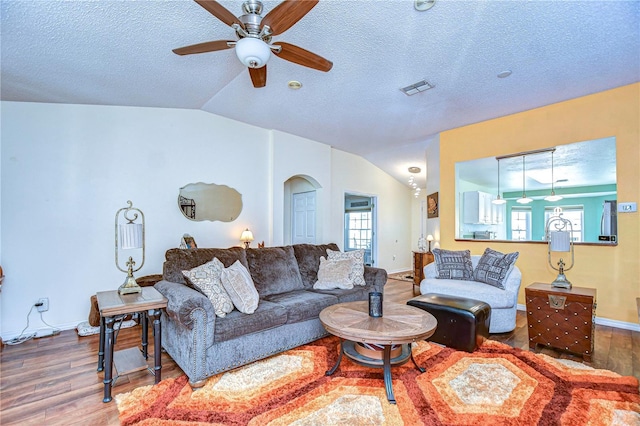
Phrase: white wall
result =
(433, 185)
(296, 156)
(353, 174)
(67, 169)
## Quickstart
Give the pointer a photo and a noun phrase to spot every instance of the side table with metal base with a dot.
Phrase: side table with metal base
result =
(113, 307)
(398, 327)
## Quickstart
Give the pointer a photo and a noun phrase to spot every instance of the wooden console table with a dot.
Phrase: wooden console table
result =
(113, 306)
(561, 318)
(420, 260)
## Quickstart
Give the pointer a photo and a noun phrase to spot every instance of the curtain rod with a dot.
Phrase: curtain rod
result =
(525, 153)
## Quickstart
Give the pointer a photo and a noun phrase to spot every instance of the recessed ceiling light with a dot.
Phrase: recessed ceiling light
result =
(414, 169)
(422, 5)
(418, 87)
(504, 74)
(294, 85)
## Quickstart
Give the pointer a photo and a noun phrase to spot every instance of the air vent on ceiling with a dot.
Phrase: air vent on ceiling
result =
(418, 87)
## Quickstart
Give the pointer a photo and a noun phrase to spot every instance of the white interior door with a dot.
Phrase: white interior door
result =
(304, 218)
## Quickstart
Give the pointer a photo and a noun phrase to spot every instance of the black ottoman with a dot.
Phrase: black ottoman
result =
(463, 324)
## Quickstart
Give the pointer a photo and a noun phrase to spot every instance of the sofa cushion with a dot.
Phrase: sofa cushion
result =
(308, 257)
(357, 271)
(495, 297)
(494, 266)
(453, 264)
(178, 260)
(302, 305)
(236, 324)
(236, 280)
(207, 279)
(334, 274)
(274, 270)
(352, 295)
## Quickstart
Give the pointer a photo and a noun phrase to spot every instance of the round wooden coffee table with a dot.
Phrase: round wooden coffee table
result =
(399, 325)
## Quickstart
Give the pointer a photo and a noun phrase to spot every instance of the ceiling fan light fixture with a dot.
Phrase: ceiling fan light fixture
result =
(253, 52)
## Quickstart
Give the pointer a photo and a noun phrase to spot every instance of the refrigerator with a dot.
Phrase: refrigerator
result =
(609, 221)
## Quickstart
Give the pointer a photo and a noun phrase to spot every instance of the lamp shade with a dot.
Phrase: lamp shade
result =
(246, 236)
(429, 237)
(130, 236)
(253, 52)
(560, 241)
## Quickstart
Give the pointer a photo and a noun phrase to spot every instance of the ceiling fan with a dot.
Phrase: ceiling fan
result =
(254, 32)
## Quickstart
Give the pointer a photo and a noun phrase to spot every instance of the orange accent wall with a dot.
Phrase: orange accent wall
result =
(613, 271)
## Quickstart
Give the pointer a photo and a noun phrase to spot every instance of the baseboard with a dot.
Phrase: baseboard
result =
(605, 322)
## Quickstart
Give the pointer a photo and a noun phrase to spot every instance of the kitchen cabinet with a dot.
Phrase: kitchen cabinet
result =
(478, 208)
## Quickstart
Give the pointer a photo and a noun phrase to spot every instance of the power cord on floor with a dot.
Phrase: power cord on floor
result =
(24, 338)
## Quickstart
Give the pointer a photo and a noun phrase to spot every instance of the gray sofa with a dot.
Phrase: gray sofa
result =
(287, 315)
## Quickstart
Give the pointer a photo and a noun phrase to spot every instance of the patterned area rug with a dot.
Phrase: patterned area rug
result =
(496, 385)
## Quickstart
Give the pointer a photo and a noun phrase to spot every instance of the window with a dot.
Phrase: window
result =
(358, 230)
(521, 223)
(575, 214)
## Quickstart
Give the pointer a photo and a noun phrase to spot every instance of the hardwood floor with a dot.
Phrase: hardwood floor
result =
(53, 380)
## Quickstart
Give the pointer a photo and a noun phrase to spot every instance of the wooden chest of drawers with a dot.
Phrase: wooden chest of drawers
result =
(420, 260)
(561, 318)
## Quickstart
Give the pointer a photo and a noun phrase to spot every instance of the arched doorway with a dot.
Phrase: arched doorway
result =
(301, 212)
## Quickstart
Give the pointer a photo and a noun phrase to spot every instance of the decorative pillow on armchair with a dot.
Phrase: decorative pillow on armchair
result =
(334, 274)
(357, 271)
(493, 267)
(454, 265)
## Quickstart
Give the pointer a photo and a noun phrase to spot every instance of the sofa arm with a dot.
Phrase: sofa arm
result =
(375, 277)
(513, 281)
(184, 302)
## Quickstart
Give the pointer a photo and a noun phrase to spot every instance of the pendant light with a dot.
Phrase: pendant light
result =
(524, 199)
(499, 200)
(552, 196)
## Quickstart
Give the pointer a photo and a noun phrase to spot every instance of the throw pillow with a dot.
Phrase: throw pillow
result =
(454, 265)
(493, 267)
(357, 270)
(334, 274)
(237, 281)
(206, 278)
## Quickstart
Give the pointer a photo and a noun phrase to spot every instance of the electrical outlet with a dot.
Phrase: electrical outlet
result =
(43, 304)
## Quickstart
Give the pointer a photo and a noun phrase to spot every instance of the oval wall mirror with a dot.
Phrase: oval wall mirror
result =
(208, 201)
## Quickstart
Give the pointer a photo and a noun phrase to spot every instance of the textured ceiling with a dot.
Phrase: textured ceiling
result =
(119, 53)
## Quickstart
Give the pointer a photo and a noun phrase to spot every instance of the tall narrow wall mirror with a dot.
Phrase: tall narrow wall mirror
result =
(208, 201)
(579, 177)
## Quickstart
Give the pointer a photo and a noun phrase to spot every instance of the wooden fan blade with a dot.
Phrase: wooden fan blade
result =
(258, 76)
(300, 56)
(219, 11)
(283, 16)
(209, 46)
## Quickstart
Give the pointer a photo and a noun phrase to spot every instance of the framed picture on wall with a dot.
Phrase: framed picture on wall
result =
(432, 205)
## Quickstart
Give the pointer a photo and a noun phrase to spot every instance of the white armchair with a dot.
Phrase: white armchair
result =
(503, 302)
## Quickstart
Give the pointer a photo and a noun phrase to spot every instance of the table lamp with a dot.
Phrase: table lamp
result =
(129, 236)
(246, 237)
(558, 232)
